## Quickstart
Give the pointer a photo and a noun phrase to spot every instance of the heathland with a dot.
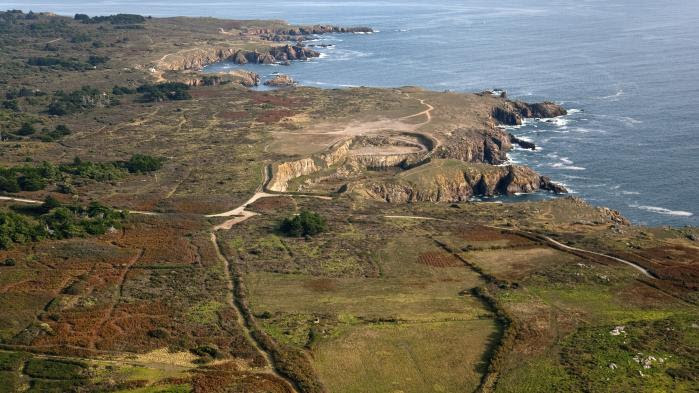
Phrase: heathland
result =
(166, 230)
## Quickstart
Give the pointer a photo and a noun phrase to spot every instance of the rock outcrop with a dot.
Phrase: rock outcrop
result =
(194, 59)
(284, 172)
(281, 81)
(276, 54)
(489, 145)
(522, 143)
(198, 58)
(298, 33)
(454, 181)
(511, 113)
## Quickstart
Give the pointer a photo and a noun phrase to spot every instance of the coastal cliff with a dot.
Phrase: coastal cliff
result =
(198, 58)
(454, 181)
(511, 113)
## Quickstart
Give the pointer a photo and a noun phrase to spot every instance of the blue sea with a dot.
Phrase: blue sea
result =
(628, 69)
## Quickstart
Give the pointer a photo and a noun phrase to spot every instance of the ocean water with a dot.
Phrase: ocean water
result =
(628, 69)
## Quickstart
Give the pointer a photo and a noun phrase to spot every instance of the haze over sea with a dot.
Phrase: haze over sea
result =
(628, 68)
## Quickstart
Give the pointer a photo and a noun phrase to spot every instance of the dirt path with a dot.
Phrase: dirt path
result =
(569, 248)
(241, 321)
(633, 265)
(427, 112)
(118, 295)
(22, 200)
(417, 218)
(551, 241)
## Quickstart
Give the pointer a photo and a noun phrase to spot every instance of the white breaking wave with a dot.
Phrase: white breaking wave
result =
(614, 96)
(559, 121)
(662, 210)
(560, 165)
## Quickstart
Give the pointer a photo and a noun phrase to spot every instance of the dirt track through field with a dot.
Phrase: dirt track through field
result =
(239, 316)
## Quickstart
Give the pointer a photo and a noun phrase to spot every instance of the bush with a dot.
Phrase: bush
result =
(120, 90)
(305, 224)
(31, 182)
(175, 91)
(16, 228)
(58, 132)
(141, 163)
(55, 369)
(58, 63)
(77, 101)
(26, 129)
(11, 105)
(97, 60)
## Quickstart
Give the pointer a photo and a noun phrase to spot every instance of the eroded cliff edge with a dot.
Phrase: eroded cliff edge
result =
(428, 163)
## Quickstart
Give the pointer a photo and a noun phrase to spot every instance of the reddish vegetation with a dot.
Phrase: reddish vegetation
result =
(274, 116)
(320, 285)
(674, 263)
(233, 115)
(228, 378)
(272, 204)
(266, 98)
(207, 93)
(439, 259)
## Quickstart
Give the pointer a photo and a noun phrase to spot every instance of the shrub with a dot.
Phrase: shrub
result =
(175, 91)
(16, 228)
(58, 63)
(31, 182)
(141, 163)
(58, 132)
(55, 369)
(121, 90)
(76, 101)
(97, 60)
(11, 105)
(26, 129)
(305, 224)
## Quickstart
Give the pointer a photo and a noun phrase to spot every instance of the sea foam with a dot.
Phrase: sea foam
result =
(662, 210)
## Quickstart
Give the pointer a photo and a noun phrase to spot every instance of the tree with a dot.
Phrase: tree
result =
(307, 223)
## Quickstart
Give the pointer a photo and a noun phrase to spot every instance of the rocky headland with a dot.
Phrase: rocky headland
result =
(455, 181)
(281, 80)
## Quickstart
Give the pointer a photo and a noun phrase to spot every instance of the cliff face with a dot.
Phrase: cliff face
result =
(194, 59)
(451, 181)
(281, 54)
(198, 58)
(283, 173)
(486, 145)
(511, 113)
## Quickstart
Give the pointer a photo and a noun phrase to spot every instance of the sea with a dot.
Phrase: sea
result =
(627, 71)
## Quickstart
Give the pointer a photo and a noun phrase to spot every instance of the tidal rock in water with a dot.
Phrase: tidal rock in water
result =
(522, 143)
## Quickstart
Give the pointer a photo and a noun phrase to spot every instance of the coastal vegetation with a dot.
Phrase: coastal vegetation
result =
(301, 239)
(306, 223)
(37, 177)
(54, 220)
